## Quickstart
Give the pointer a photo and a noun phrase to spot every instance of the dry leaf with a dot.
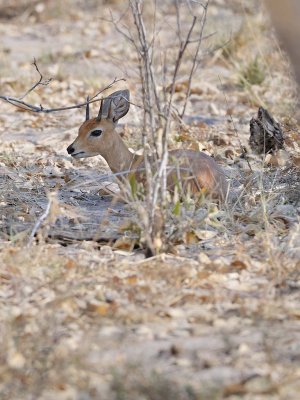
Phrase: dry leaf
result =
(70, 264)
(205, 235)
(132, 280)
(190, 237)
(203, 275)
(238, 264)
(124, 243)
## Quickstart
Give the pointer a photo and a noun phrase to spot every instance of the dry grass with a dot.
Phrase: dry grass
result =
(83, 314)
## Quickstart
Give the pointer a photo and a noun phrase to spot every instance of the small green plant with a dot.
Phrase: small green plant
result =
(252, 74)
(176, 209)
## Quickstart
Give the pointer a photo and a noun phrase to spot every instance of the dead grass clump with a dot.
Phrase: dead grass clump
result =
(134, 385)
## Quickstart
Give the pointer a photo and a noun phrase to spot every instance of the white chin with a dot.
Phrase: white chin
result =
(85, 155)
(81, 155)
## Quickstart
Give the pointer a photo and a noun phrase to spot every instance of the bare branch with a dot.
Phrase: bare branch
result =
(178, 21)
(116, 24)
(195, 57)
(17, 102)
(182, 48)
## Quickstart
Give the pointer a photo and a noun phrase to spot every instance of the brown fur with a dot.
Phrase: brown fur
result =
(194, 171)
(200, 171)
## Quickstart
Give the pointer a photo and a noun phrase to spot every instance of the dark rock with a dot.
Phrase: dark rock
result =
(266, 135)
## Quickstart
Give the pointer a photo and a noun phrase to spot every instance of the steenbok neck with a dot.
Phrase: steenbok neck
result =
(117, 155)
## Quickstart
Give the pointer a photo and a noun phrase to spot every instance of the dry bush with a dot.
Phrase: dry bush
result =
(160, 112)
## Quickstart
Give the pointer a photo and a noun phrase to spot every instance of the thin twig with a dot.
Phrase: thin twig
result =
(236, 131)
(39, 82)
(116, 24)
(195, 57)
(39, 222)
(162, 181)
(148, 76)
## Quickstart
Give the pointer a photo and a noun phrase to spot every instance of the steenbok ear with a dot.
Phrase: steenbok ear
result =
(87, 110)
(117, 105)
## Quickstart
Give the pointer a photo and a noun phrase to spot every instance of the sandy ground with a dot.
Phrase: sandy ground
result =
(83, 314)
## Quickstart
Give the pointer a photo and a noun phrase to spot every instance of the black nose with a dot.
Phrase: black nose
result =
(70, 149)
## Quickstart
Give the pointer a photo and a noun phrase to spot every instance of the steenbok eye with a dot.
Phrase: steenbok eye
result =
(96, 132)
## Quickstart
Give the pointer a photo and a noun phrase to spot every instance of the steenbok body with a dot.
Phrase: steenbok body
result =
(196, 171)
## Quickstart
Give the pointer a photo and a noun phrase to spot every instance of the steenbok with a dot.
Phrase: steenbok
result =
(192, 170)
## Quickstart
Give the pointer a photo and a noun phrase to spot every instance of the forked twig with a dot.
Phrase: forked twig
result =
(38, 83)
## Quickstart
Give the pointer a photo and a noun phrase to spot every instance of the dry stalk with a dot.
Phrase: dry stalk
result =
(42, 218)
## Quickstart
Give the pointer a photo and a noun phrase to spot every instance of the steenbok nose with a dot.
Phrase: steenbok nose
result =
(70, 149)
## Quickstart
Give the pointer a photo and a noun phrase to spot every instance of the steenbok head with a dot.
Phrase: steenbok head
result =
(96, 135)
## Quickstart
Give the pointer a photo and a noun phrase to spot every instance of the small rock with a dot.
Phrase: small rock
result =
(244, 349)
(183, 362)
(109, 331)
(175, 313)
(15, 360)
(205, 234)
(259, 384)
(203, 258)
(106, 252)
(144, 331)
